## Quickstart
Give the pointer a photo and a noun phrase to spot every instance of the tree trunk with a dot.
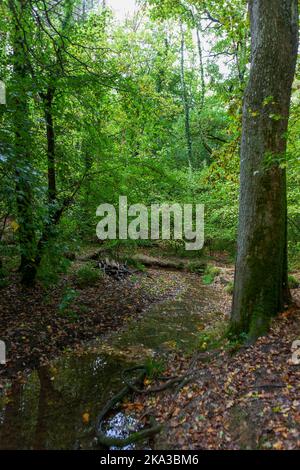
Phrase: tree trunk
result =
(185, 103)
(22, 146)
(48, 102)
(199, 45)
(261, 288)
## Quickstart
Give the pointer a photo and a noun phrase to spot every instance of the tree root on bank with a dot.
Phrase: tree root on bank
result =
(130, 387)
(170, 381)
(132, 438)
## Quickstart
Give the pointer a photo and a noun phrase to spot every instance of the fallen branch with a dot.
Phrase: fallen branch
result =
(268, 386)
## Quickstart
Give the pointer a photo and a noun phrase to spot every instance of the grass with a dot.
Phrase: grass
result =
(87, 276)
(293, 282)
(69, 296)
(197, 267)
(230, 288)
(210, 274)
(213, 337)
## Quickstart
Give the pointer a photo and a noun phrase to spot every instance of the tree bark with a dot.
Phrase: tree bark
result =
(48, 103)
(199, 45)
(185, 103)
(261, 288)
(22, 146)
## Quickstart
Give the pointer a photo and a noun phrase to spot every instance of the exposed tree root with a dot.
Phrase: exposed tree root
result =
(134, 386)
(170, 381)
(132, 438)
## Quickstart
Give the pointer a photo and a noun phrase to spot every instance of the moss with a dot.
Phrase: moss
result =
(252, 325)
(210, 273)
(293, 282)
(260, 324)
(230, 288)
(87, 276)
(197, 267)
(261, 298)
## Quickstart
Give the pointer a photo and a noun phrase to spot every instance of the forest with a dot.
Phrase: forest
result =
(149, 225)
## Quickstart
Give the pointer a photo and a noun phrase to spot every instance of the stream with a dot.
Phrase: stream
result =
(57, 406)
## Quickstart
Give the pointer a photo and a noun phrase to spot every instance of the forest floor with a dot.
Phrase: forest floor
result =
(247, 398)
(36, 329)
(239, 398)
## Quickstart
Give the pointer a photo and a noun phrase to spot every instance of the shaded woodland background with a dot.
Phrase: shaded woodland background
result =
(150, 108)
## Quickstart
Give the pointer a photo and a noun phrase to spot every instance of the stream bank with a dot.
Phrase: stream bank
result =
(56, 406)
(245, 400)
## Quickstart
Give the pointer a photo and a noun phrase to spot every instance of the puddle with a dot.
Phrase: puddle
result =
(47, 412)
(57, 407)
(121, 426)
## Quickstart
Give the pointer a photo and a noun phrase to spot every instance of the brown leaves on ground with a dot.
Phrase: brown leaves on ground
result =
(247, 401)
(35, 331)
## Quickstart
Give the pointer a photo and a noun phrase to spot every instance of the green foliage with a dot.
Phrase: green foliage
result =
(235, 342)
(209, 275)
(53, 264)
(117, 247)
(154, 368)
(134, 263)
(197, 267)
(87, 276)
(205, 341)
(230, 288)
(293, 282)
(3, 278)
(119, 124)
(65, 306)
(212, 337)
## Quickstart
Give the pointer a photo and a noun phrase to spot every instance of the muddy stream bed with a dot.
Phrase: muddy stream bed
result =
(57, 406)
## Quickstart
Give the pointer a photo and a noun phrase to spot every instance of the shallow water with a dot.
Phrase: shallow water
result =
(58, 405)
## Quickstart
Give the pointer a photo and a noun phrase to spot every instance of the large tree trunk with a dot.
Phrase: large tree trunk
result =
(261, 289)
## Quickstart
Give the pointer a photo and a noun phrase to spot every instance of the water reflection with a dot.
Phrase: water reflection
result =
(47, 412)
(121, 426)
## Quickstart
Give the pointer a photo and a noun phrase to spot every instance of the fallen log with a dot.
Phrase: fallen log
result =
(149, 261)
(153, 262)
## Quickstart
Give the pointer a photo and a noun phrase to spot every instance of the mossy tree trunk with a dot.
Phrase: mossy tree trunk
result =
(261, 288)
